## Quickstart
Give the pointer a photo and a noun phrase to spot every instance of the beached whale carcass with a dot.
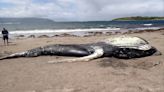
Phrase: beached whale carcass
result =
(125, 47)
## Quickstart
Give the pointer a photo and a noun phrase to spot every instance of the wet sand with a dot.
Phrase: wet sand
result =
(100, 75)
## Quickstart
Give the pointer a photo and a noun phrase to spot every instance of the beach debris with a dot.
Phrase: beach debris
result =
(157, 63)
(20, 36)
(31, 36)
(67, 35)
(43, 36)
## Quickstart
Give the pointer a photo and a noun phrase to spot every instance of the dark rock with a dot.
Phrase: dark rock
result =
(31, 36)
(20, 36)
(43, 36)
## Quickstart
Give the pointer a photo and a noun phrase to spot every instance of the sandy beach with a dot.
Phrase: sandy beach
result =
(100, 75)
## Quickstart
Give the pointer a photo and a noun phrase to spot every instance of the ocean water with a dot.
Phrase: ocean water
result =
(52, 28)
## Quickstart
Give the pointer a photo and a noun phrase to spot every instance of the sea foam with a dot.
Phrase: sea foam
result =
(47, 31)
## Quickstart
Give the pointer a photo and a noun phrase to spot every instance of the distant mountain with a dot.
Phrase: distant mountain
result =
(26, 23)
(25, 20)
(138, 18)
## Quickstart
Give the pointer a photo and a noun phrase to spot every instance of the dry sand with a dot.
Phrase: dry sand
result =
(100, 75)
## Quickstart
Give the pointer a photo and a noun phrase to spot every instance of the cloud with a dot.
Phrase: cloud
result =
(82, 10)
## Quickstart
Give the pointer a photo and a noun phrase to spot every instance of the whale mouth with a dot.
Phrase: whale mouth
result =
(141, 47)
(144, 47)
(129, 42)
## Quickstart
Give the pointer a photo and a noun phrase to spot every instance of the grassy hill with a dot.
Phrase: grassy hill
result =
(138, 18)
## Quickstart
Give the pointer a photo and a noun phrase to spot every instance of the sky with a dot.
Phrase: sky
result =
(81, 10)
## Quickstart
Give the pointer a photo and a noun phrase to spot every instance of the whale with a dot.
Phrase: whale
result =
(123, 47)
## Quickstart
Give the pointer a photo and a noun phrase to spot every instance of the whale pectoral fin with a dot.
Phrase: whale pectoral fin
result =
(98, 52)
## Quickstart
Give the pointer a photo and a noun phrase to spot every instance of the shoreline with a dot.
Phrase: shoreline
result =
(81, 34)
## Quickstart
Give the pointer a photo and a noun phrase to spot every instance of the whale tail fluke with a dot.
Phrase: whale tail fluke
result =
(15, 55)
(6, 57)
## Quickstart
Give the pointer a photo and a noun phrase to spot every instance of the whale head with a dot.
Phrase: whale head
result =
(129, 42)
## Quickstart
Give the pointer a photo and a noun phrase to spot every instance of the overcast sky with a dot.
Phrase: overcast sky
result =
(81, 10)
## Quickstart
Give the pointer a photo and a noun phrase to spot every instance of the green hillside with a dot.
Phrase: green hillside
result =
(138, 18)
